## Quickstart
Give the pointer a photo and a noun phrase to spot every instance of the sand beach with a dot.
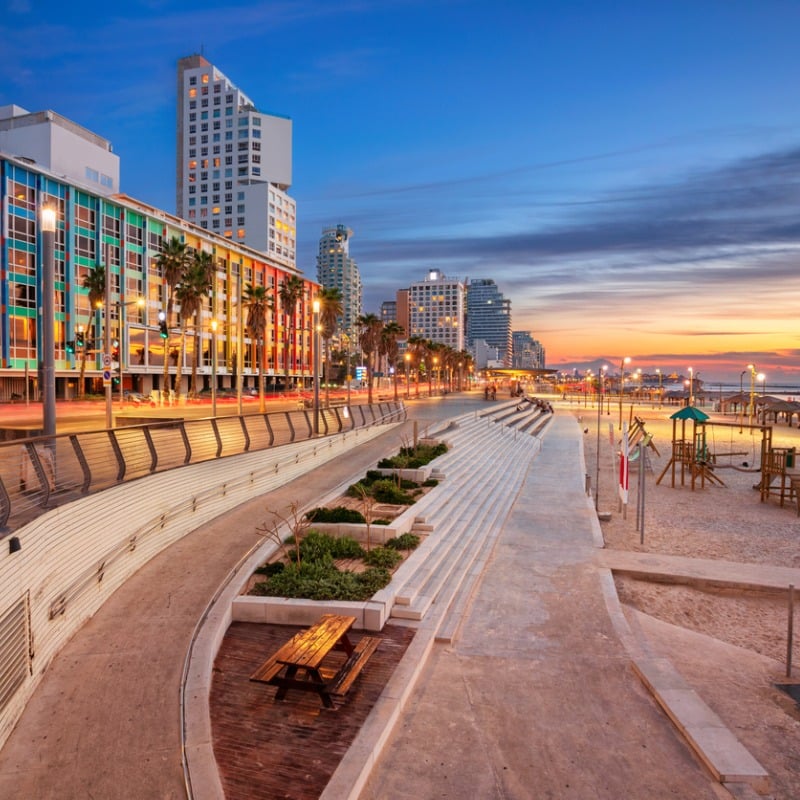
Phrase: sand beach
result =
(730, 645)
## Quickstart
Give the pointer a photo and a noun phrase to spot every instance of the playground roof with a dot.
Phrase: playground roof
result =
(690, 412)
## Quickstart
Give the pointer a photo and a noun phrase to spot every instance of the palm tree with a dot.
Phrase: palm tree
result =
(418, 347)
(392, 331)
(257, 303)
(435, 355)
(330, 311)
(196, 283)
(464, 363)
(291, 290)
(369, 337)
(172, 262)
(95, 282)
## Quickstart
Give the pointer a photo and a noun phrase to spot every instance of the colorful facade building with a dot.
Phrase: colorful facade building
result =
(95, 228)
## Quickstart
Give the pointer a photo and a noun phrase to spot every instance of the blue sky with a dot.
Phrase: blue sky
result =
(626, 171)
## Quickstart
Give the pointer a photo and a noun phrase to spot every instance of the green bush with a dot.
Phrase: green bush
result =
(318, 546)
(430, 482)
(381, 521)
(271, 569)
(338, 514)
(386, 491)
(358, 489)
(382, 557)
(316, 581)
(406, 541)
(414, 457)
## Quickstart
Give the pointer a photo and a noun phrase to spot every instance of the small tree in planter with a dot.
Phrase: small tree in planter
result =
(297, 524)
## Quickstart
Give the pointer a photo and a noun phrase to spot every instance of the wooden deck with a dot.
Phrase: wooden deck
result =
(267, 750)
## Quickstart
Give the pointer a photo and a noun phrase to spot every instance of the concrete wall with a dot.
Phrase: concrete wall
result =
(75, 556)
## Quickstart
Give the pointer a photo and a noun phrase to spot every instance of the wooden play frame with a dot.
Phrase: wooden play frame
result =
(694, 457)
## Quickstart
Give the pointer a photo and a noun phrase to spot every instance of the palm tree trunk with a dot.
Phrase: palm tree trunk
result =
(194, 364)
(262, 401)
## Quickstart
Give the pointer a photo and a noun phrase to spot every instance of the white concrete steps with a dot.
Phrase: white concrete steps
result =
(457, 544)
(460, 549)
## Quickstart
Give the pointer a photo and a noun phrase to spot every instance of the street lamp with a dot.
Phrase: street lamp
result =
(407, 358)
(622, 363)
(751, 408)
(601, 376)
(213, 368)
(436, 374)
(741, 398)
(658, 371)
(691, 386)
(48, 227)
(315, 308)
(762, 378)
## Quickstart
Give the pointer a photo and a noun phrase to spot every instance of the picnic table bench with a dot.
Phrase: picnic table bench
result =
(298, 663)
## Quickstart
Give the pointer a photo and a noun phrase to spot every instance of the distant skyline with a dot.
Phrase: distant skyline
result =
(627, 172)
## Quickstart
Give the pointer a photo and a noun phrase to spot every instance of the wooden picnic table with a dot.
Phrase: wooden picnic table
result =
(298, 663)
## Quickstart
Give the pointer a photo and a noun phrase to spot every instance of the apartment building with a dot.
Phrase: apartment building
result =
(436, 309)
(98, 228)
(489, 318)
(234, 164)
(337, 270)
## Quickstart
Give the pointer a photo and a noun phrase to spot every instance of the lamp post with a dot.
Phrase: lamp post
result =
(48, 351)
(622, 363)
(407, 358)
(691, 386)
(762, 378)
(658, 371)
(315, 307)
(741, 398)
(601, 377)
(213, 368)
(435, 374)
(751, 407)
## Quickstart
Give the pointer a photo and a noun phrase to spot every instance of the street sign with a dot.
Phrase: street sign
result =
(106, 362)
(106, 377)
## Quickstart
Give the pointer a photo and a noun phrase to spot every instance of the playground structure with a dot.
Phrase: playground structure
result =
(694, 457)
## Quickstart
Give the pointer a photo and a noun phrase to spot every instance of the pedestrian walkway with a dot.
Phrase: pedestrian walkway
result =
(532, 695)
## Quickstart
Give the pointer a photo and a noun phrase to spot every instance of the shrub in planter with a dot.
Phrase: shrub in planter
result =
(383, 557)
(406, 541)
(338, 514)
(270, 569)
(317, 546)
(386, 491)
(320, 581)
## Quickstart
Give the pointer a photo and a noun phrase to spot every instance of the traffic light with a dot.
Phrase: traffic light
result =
(162, 325)
(70, 347)
(79, 341)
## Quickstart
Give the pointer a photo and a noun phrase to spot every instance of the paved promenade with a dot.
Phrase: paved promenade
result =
(534, 698)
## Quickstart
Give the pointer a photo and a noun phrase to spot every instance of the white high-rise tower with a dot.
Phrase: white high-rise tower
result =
(234, 163)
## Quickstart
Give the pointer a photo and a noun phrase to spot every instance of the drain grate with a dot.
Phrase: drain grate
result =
(792, 689)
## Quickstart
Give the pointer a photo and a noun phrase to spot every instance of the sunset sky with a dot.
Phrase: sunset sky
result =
(627, 172)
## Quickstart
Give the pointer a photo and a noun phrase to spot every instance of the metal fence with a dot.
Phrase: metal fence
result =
(39, 473)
